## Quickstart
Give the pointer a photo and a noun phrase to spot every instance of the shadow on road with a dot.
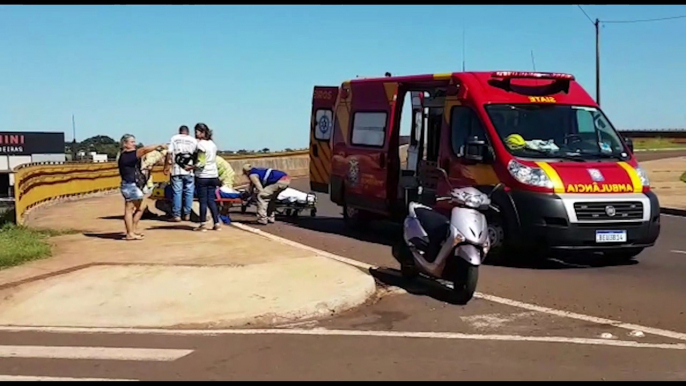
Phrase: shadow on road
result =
(419, 286)
(176, 227)
(566, 261)
(106, 236)
(115, 217)
(386, 233)
(147, 215)
(383, 233)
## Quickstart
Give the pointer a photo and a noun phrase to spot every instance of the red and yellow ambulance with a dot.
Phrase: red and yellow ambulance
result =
(572, 180)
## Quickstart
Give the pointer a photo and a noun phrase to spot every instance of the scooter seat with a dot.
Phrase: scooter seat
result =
(436, 227)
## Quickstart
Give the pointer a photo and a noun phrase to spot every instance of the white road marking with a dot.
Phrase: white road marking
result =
(10, 378)
(492, 298)
(101, 353)
(582, 317)
(495, 320)
(678, 251)
(637, 334)
(390, 334)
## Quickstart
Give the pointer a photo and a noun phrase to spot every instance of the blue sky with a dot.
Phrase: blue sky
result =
(248, 71)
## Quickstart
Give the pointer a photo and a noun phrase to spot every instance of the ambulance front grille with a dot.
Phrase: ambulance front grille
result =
(609, 211)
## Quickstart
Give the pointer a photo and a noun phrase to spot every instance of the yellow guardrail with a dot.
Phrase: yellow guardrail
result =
(42, 182)
(258, 155)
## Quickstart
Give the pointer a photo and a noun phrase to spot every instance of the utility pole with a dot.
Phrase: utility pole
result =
(597, 61)
(463, 49)
(533, 61)
(73, 140)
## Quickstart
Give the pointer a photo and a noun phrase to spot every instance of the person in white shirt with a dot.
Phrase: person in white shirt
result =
(181, 148)
(206, 175)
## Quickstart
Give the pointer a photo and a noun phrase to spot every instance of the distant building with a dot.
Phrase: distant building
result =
(17, 148)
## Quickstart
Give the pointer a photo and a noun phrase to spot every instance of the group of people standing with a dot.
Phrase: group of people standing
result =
(194, 167)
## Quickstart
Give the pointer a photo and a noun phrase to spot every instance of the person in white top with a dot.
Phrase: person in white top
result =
(181, 149)
(206, 175)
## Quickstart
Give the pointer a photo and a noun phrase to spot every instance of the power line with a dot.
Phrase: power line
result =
(629, 21)
(588, 17)
(643, 20)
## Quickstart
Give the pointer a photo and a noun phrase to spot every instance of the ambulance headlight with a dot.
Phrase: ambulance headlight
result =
(529, 175)
(645, 181)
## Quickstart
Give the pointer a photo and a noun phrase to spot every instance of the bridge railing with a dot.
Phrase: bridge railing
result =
(39, 183)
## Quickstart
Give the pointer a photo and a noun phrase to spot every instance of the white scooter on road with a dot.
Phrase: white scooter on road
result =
(450, 249)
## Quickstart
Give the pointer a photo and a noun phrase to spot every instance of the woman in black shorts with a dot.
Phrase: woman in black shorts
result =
(132, 182)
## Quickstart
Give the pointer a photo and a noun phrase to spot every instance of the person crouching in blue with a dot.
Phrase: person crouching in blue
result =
(268, 183)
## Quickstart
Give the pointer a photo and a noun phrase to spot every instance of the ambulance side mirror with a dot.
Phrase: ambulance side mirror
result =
(475, 150)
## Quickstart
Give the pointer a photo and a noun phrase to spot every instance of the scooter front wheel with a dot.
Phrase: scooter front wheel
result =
(465, 278)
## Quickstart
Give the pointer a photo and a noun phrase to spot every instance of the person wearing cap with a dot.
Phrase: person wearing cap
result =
(268, 183)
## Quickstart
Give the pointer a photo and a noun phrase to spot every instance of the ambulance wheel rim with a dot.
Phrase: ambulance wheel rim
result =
(495, 235)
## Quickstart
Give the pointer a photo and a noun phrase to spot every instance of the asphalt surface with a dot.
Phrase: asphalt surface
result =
(494, 337)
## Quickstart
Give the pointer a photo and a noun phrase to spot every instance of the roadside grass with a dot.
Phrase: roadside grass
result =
(657, 143)
(20, 244)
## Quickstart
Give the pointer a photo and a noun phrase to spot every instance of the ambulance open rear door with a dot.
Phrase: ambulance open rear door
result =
(321, 129)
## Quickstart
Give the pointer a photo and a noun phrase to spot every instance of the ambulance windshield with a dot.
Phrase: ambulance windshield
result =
(550, 131)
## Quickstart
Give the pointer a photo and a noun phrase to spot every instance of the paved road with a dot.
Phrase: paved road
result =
(266, 356)
(532, 323)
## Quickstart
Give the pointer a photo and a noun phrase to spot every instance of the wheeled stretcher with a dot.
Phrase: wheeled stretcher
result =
(162, 194)
(291, 202)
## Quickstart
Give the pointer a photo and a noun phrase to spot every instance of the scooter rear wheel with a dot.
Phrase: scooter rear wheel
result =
(464, 277)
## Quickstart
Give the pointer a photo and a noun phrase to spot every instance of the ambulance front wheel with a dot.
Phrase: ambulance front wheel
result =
(624, 254)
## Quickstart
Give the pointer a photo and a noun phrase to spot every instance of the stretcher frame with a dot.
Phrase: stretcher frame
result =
(288, 209)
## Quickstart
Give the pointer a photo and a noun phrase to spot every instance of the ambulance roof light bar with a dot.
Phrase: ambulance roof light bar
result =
(534, 75)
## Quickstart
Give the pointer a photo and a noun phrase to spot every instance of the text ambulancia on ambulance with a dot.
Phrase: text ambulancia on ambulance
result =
(572, 182)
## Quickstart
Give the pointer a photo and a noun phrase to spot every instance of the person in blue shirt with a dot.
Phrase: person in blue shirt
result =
(268, 183)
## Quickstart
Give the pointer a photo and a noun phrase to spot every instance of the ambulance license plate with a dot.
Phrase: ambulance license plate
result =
(610, 236)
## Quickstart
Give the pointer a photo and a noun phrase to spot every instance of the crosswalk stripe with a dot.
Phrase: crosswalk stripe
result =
(10, 378)
(102, 353)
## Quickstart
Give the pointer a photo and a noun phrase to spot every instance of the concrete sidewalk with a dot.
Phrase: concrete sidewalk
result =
(664, 181)
(173, 278)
